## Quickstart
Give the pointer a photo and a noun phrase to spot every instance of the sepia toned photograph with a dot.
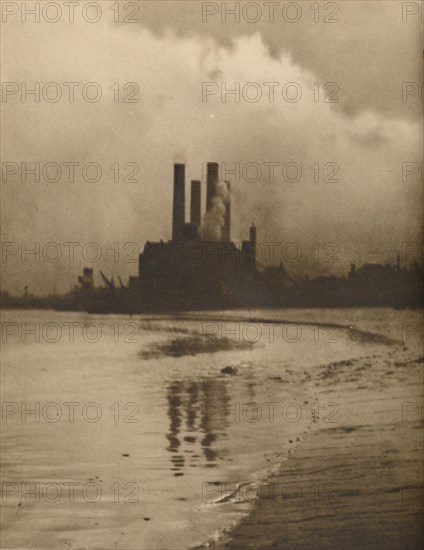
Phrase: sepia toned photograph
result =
(212, 275)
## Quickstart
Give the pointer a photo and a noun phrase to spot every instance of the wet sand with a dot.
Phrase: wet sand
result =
(356, 484)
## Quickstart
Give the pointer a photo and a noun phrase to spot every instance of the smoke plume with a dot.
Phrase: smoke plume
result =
(213, 220)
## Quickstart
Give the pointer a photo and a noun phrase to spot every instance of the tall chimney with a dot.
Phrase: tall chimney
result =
(178, 211)
(195, 203)
(211, 183)
(226, 228)
(253, 233)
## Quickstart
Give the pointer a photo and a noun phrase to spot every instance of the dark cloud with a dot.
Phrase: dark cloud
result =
(368, 52)
(373, 138)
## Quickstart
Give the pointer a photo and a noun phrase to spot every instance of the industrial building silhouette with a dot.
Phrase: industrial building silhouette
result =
(200, 267)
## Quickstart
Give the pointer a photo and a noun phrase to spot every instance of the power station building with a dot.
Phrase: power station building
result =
(200, 267)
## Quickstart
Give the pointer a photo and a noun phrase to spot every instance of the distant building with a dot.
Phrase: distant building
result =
(200, 267)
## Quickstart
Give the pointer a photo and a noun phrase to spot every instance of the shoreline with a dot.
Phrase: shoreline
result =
(195, 445)
(367, 492)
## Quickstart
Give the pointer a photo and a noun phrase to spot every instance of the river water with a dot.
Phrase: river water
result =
(155, 432)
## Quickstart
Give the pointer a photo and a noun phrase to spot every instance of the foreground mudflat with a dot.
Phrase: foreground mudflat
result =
(357, 484)
(250, 429)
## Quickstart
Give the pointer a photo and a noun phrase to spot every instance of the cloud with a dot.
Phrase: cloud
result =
(365, 47)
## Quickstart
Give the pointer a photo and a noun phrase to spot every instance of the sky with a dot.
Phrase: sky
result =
(326, 176)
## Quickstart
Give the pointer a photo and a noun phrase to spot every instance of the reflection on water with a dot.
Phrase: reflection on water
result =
(195, 421)
(251, 389)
